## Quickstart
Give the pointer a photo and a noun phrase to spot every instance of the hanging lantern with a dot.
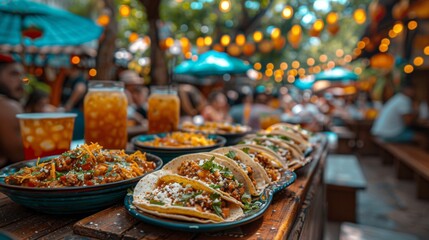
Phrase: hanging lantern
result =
(32, 32)
(279, 43)
(249, 49)
(265, 46)
(382, 61)
(333, 29)
(234, 50)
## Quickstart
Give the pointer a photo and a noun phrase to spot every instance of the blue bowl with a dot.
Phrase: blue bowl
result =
(67, 200)
(166, 153)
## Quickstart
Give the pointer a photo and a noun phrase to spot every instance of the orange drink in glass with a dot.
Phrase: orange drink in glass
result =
(46, 134)
(266, 121)
(163, 109)
(105, 113)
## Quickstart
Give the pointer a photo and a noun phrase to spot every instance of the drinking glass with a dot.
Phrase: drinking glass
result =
(105, 113)
(163, 109)
(46, 134)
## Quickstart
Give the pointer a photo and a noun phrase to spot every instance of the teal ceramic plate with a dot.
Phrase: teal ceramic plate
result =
(166, 153)
(263, 201)
(67, 200)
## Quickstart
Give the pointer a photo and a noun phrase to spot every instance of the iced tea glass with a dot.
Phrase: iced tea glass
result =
(46, 134)
(105, 113)
(163, 109)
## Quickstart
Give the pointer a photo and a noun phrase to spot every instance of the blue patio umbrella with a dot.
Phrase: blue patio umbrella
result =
(213, 63)
(337, 74)
(304, 83)
(59, 27)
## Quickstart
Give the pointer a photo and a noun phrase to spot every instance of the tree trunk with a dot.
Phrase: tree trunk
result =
(158, 73)
(105, 62)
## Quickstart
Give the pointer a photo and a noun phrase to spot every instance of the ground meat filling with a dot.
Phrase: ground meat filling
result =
(247, 169)
(215, 175)
(177, 194)
(272, 172)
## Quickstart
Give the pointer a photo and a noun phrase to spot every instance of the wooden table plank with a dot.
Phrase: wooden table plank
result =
(148, 231)
(37, 225)
(12, 212)
(344, 170)
(110, 223)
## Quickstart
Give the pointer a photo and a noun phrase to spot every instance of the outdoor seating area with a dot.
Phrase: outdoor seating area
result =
(214, 119)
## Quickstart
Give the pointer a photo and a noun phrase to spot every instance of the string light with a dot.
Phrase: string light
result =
(257, 66)
(287, 12)
(310, 61)
(283, 66)
(270, 66)
(323, 58)
(240, 39)
(383, 48)
(359, 16)
(332, 18)
(275, 33)
(418, 61)
(225, 6)
(200, 42)
(398, 27)
(208, 41)
(124, 10)
(408, 68)
(361, 44)
(426, 50)
(92, 72)
(170, 41)
(75, 60)
(339, 52)
(225, 40)
(385, 41)
(257, 36)
(295, 64)
(318, 25)
(412, 25)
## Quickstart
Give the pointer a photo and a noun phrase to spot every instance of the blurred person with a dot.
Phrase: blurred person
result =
(38, 101)
(192, 101)
(241, 111)
(397, 114)
(72, 96)
(137, 95)
(11, 92)
(217, 109)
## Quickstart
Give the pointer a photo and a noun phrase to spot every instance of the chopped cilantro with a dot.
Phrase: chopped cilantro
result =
(273, 147)
(246, 198)
(214, 196)
(187, 196)
(208, 165)
(250, 206)
(59, 174)
(231, 154)
(215, 186)
(246, 150)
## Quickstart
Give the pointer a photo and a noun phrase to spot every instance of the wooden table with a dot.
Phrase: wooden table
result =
(297, 212)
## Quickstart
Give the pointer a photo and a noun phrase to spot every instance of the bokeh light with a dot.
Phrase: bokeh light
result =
(287, 12)
(418, 61)
(408, 68)
(359, 16)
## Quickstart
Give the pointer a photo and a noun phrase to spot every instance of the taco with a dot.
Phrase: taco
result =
(253, 170)
(288, 155)
(218, 173)
(299, 144)
(296, 129)
(181, 198)
(266, 158)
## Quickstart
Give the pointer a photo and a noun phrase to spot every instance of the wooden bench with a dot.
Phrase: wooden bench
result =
(343, 178)
(410, 162)
(350, 231)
